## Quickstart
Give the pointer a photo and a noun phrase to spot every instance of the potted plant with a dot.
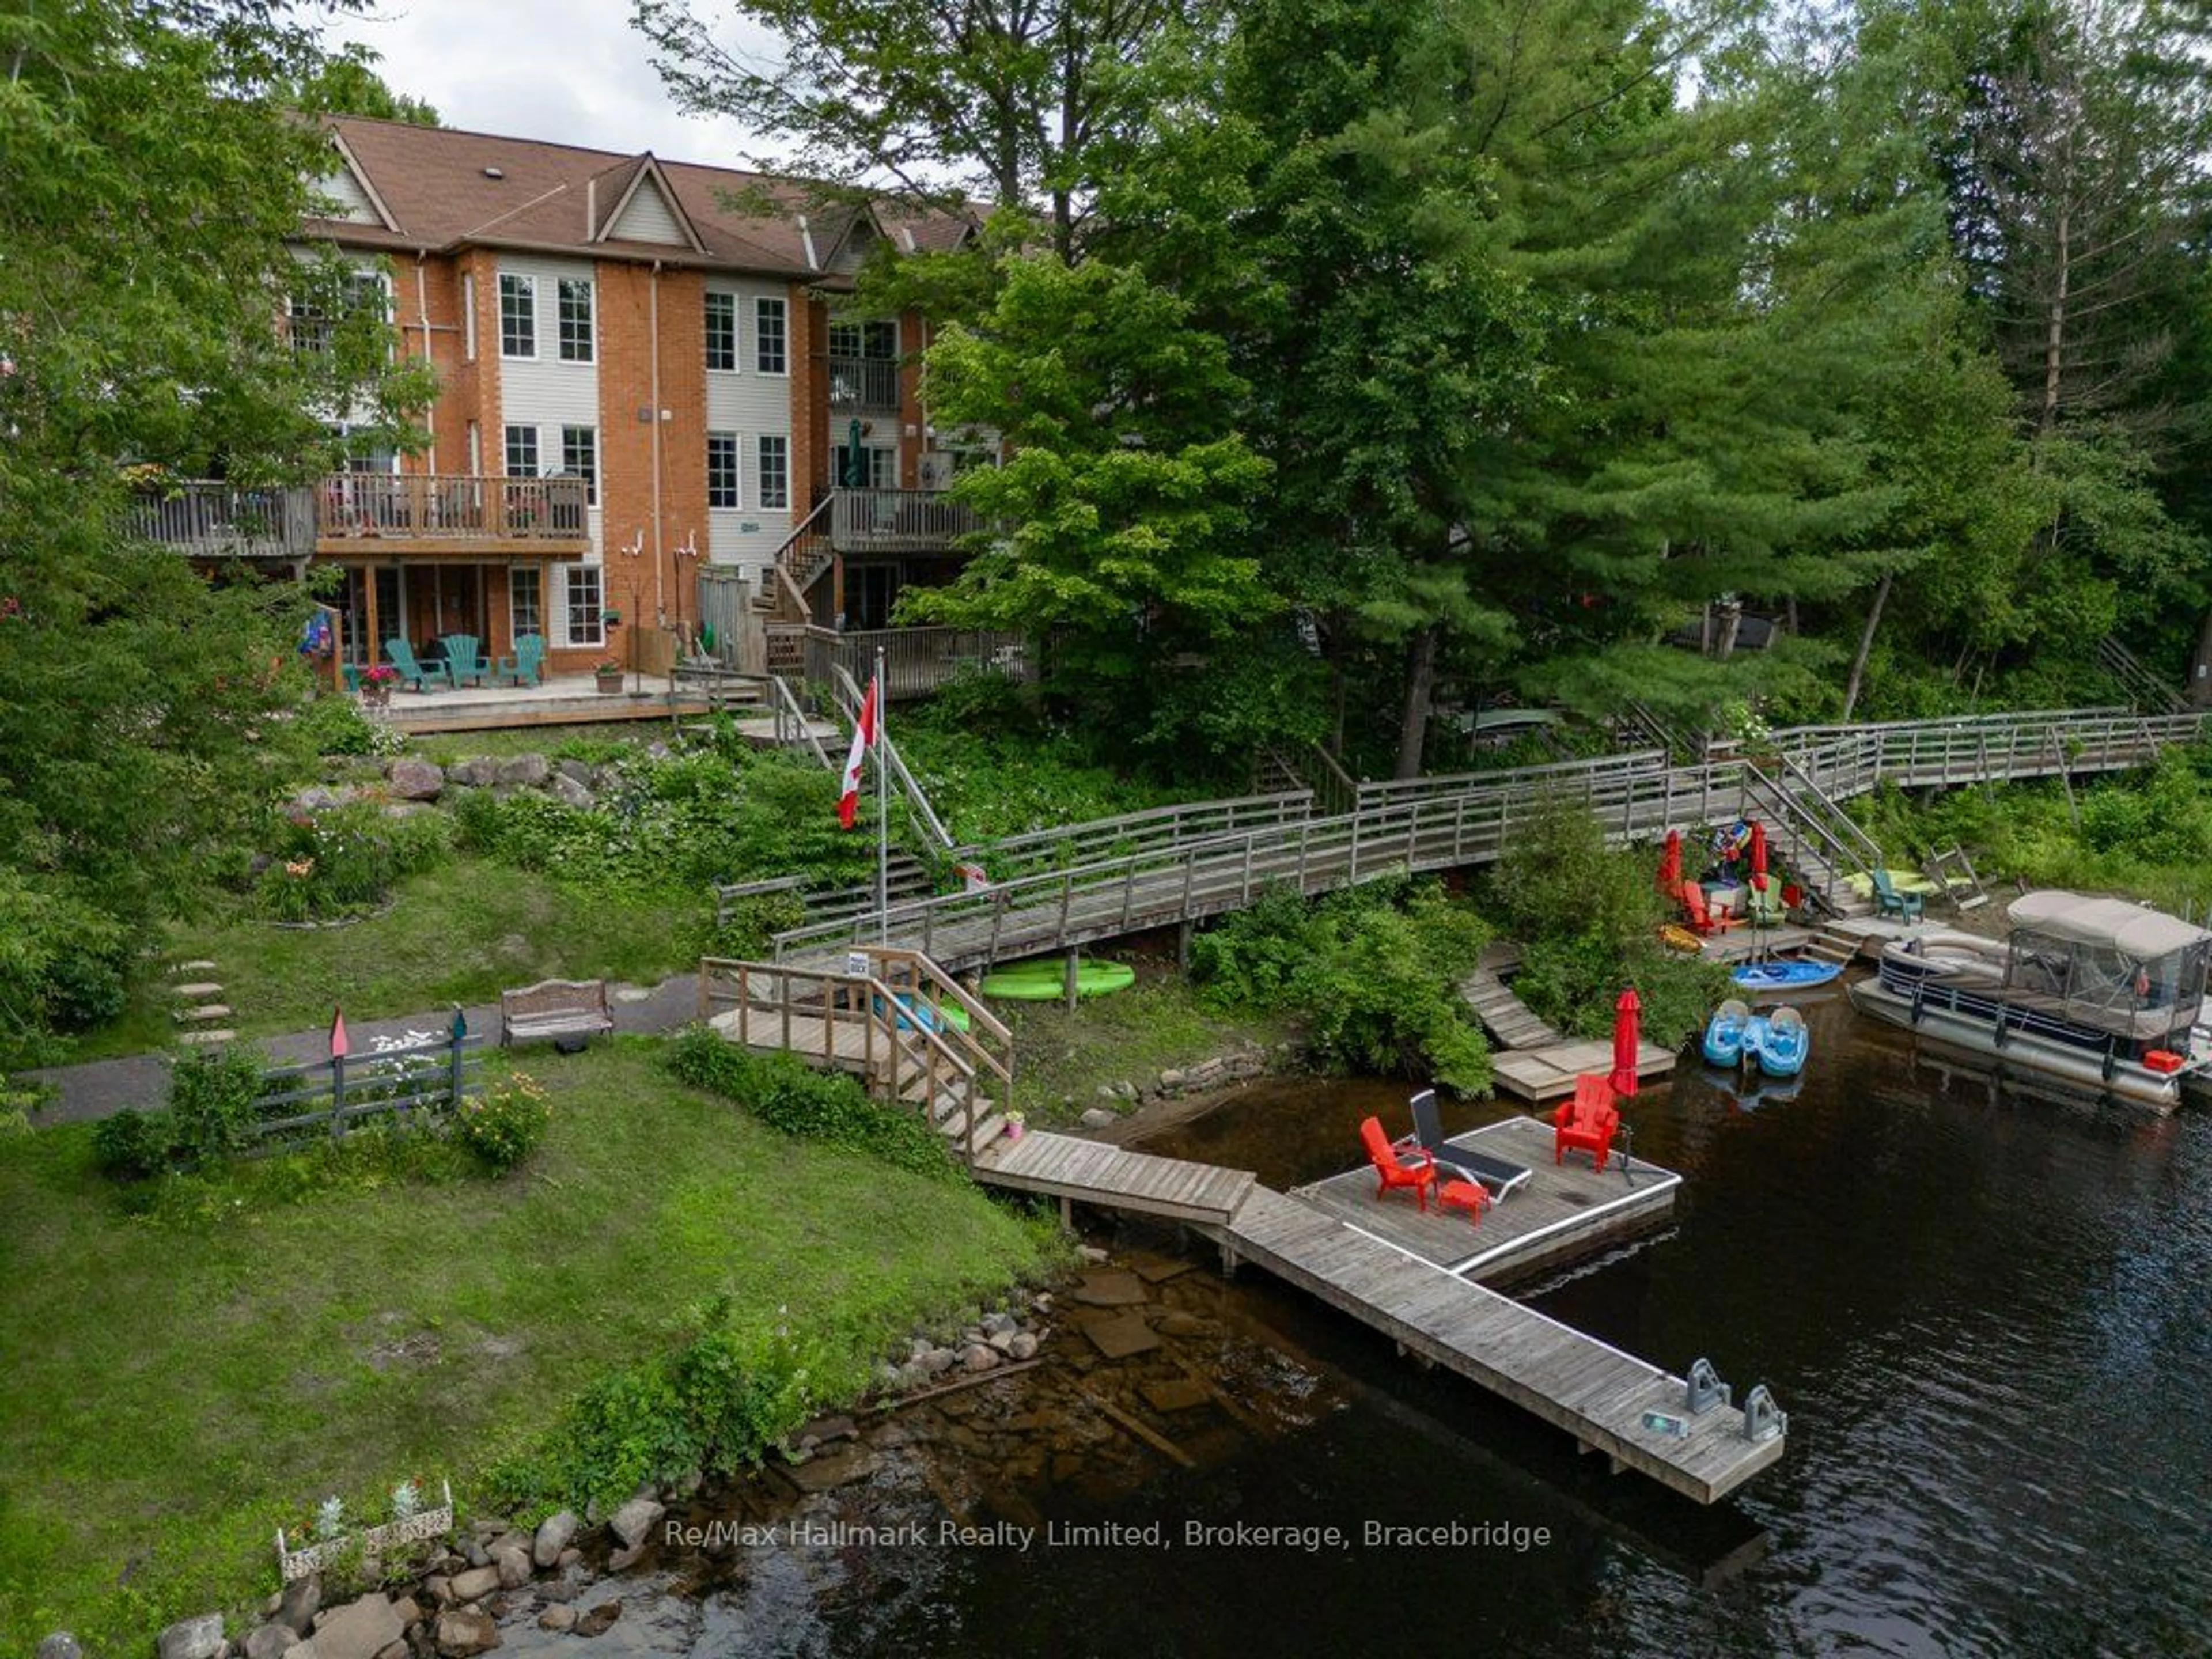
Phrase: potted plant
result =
(1016, 1123)
(610, 674)
(376, 685)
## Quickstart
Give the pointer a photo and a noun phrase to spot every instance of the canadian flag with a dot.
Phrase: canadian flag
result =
(864, 737)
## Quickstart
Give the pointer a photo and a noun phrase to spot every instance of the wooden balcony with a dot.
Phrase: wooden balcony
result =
(863, 384)
(897, 521)
(455, 515)
(206, 520)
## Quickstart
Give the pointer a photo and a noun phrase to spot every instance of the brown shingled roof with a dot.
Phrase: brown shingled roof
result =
(434, 182)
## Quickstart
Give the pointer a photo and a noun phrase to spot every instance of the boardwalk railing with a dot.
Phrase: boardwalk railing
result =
(1428, 824)
(404, 1082)
(917, 660)
(892, 1030)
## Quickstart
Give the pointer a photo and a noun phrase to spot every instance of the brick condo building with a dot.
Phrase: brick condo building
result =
(643, 368)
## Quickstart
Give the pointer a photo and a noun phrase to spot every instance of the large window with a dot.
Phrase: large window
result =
(526, 599)
(721, 331)
(579, 454)
(876, 338)
(522, 452)
(518, 315)
(586, 622)
(768, 336)
(722, 487)
(313, 325)
(575, 320)
(774, 472)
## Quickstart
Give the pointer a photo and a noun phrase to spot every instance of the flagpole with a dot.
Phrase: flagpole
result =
(883, 812)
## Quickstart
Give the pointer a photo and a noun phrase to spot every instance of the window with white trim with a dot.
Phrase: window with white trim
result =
(468, 317)
(775, 451)
(722, 486)
(522, 452)
(579, 454)
(526, 599)
(518, 315)
(768, 336)
(721, 331)
(574, 305)
(587, 623)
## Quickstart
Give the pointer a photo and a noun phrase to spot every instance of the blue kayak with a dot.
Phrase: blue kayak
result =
(1785, 975)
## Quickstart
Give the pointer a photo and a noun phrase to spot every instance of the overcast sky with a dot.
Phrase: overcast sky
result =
(570, 71)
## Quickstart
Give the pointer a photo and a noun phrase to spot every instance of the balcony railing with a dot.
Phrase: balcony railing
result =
(897, 521)
(216, 521)
(863, 382)
(452, 509)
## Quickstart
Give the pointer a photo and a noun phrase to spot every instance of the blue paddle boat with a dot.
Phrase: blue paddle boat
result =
(1725, 1034)
(1780, 1041)
(1756, 977)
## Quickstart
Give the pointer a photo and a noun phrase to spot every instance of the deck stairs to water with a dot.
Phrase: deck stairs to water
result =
(1503, 1015)
(1832, 945)
(1952, 872)
(2144, 688)
(1610, 1401)
(1813, 836)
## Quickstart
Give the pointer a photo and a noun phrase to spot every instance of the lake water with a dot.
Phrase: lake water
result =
(1985, 1314)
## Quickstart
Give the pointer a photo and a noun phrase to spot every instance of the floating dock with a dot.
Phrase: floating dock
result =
(1610, 1401)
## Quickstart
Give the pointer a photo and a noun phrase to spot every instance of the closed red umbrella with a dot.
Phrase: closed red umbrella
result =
(1670, 860)
(1625, 1041)
(1759, 856)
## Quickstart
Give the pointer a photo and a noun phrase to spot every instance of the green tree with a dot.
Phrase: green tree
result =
(349, 84)
(139, 303)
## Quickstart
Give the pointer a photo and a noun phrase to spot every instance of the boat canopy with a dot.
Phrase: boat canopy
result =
(2131, 929)
(2108, 964)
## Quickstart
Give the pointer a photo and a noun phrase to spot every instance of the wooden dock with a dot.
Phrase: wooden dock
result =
(1588, 1388)
(1564, 1209)
(1543, 1074)
(1503, 1015)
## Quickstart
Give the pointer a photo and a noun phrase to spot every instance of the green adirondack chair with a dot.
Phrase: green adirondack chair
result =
(463, 661)
(401, 656)
(1888, 901)
(527, 666)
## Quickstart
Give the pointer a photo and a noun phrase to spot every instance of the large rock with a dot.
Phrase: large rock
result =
(553, 1536)
(569, 792)
(558, 1617)
(461, 1633)
(192, 1638)
(316, 799)
(528, 771)
(600, 1620)
(60, 1645)
(634, 1520)
(477, 1581)
(359, 1630)
(271, 1641)
(415, 779)
(475, 773)
(511, 1563)
(577, 771)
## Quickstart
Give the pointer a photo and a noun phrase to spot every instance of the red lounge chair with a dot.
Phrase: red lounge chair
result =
(1703, 919)
(1397, 1169)
(1587, 1121)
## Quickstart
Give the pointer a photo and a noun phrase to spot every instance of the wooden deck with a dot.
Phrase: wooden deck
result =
(1092, 1172)
(1543, 1074)
(1503, 1015)
(1588, 1388)
(1563, 1208)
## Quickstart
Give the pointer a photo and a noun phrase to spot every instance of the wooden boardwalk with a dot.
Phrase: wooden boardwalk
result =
(1503, 1015)
(1564, 1209)
(1591, 1390)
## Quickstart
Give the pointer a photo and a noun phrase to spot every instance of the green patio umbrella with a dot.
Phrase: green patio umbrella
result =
(854, 476)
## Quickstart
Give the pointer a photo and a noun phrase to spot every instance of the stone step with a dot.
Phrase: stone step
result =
(202, 1015)
(198, 991)
(204, 1038)
(201, 966)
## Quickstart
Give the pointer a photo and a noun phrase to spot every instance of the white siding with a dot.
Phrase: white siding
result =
(748, 404)
(543, 392)
(353, 203)
(647, 218)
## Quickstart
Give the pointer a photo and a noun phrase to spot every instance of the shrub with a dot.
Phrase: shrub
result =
(504, 1124)
(786, 1093)
(214, 1102)
(331, 725)
(132, 1144)
(344, 861)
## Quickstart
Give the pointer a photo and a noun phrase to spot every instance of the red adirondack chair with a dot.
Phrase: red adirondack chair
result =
(1702, 919)
(1396, 1168)
(1587, 1121)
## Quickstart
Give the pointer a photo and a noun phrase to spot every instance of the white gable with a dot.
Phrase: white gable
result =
(647, 217)
(343, 186)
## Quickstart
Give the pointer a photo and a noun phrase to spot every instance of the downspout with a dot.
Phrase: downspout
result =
(652, 333)
(423, 320)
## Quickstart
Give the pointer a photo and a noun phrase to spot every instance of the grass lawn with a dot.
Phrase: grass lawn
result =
(178, 1384)
(1062, 1060)
(458, 933)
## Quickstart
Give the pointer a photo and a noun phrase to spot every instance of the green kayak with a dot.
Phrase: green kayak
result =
(1046, 980)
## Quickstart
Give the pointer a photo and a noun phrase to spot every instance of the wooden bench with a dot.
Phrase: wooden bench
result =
(554, 1008)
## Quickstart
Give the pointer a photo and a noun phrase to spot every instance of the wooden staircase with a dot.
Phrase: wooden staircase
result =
(1815, 836)
(805, 554)
(2144, 688)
